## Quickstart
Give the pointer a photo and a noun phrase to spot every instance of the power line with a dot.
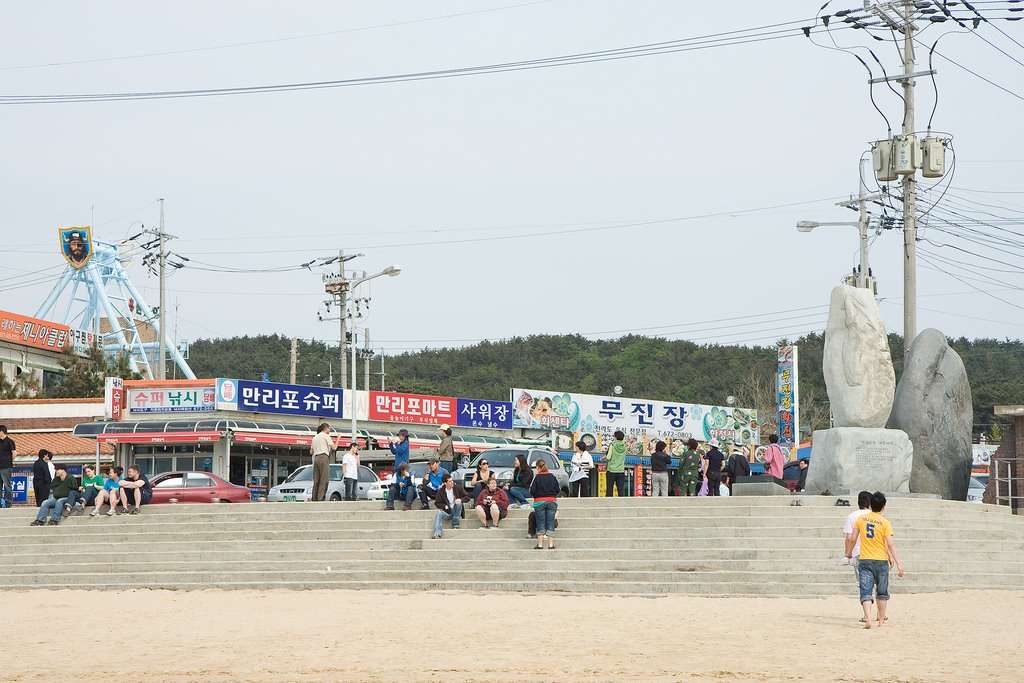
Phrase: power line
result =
(268, 41)
(724, 39)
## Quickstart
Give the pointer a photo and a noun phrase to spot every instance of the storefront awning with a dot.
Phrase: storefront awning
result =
(160, 437)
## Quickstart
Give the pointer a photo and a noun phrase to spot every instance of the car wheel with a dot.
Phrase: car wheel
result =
(335, 497)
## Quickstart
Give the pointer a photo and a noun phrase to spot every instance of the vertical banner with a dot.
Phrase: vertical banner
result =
(639, 485)
(113, 398)
(789, 397)
(602, 481)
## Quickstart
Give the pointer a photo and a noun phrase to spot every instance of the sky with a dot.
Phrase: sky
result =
(656, 194)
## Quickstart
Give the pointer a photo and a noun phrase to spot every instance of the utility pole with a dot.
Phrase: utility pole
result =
(909, 188)
(382, 373)
(343, 315)
(294, 360)
(367, 355)
(161, 369)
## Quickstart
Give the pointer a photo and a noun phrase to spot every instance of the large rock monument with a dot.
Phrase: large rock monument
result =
(933, 406)
(857, 364)
(859, 453)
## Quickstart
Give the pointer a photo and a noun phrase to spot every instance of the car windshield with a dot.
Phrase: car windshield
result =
(500, 458)
(302, 474)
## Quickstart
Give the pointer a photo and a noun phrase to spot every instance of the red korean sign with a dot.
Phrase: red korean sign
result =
(42, 334)
(387, 406)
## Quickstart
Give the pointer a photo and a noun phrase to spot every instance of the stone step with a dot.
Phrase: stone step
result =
(489, 581)
(517, 562)
(146, 533)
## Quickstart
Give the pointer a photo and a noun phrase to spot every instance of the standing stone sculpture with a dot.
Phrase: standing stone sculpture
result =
(857, 459)
(933, 406)
(858, 368)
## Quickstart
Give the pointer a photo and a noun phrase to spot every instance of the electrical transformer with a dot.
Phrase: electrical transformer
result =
(882, 161)
(907, 155)
(933, 157)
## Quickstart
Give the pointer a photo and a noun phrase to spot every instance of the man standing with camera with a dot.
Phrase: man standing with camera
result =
(321, 448)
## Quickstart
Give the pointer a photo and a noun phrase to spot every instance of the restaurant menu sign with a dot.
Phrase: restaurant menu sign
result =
(642, 420)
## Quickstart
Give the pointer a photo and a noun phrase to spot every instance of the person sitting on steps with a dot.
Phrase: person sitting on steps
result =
(491, 504)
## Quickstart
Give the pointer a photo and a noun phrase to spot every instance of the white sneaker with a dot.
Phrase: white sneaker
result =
(845, 562)
(110, 512)
(94, 513)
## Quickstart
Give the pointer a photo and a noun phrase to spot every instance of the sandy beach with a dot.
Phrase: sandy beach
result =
(311, 636)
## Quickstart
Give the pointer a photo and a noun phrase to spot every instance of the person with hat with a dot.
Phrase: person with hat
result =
(76, 250)
(445, 450)
(402, 488)
(713, 459)
(401, 449)
(689, 469)
(432, 482)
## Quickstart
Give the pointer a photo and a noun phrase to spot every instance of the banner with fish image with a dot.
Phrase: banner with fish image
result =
(596, 418)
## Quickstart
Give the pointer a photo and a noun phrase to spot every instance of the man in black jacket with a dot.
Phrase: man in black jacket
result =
(8, 452)
(737, 466)
(449, 501)
(41, 476)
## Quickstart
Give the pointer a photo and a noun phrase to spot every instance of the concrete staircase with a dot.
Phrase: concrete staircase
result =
(706, 546)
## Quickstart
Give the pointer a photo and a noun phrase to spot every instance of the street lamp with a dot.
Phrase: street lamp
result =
(862, 227)
(390, 271)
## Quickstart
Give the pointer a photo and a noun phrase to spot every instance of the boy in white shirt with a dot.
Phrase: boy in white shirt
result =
(350, 470)
(864, 505)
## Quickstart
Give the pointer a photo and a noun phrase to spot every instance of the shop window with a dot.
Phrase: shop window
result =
(163, 464)
(145, 466)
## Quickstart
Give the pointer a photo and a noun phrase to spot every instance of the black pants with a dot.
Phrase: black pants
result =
(42, 493)
(617, 479)
(427, 494)
(714, 481)
(580, 488)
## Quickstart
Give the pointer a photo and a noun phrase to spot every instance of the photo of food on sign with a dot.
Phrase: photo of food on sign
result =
(76, 245)
(644, 421)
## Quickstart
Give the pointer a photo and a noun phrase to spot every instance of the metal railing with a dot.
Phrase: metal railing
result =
(1009, 485)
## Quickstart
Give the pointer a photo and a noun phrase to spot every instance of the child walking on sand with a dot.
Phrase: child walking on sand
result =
(877, 553)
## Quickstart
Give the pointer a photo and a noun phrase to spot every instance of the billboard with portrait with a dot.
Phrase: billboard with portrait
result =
(76, 245)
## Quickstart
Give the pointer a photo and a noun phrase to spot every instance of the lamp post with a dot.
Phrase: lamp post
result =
(862, 228)
(390, 271)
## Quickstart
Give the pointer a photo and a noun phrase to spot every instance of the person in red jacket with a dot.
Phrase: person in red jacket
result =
(491, 504)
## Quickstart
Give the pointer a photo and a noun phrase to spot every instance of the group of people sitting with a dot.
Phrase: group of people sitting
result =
(490, 501)
(68, 495)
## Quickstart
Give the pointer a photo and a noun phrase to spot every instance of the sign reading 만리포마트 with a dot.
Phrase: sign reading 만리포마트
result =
(387, 406)
(194, 400)
(484, 414)
(600, 416)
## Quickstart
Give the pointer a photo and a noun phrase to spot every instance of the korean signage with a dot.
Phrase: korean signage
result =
(285, 399)
(113, 398)
(387, 406)
(192, 400)
(789, 396)
(42, 334)
(484, 414)
(641, 420)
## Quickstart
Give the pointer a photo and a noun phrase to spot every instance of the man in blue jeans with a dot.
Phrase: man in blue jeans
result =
(60, 488)
(449, 501)
(8, 452)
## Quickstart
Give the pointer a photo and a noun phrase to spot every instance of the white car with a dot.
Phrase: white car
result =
(975, 491)
(299, 485)
(378, 490)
